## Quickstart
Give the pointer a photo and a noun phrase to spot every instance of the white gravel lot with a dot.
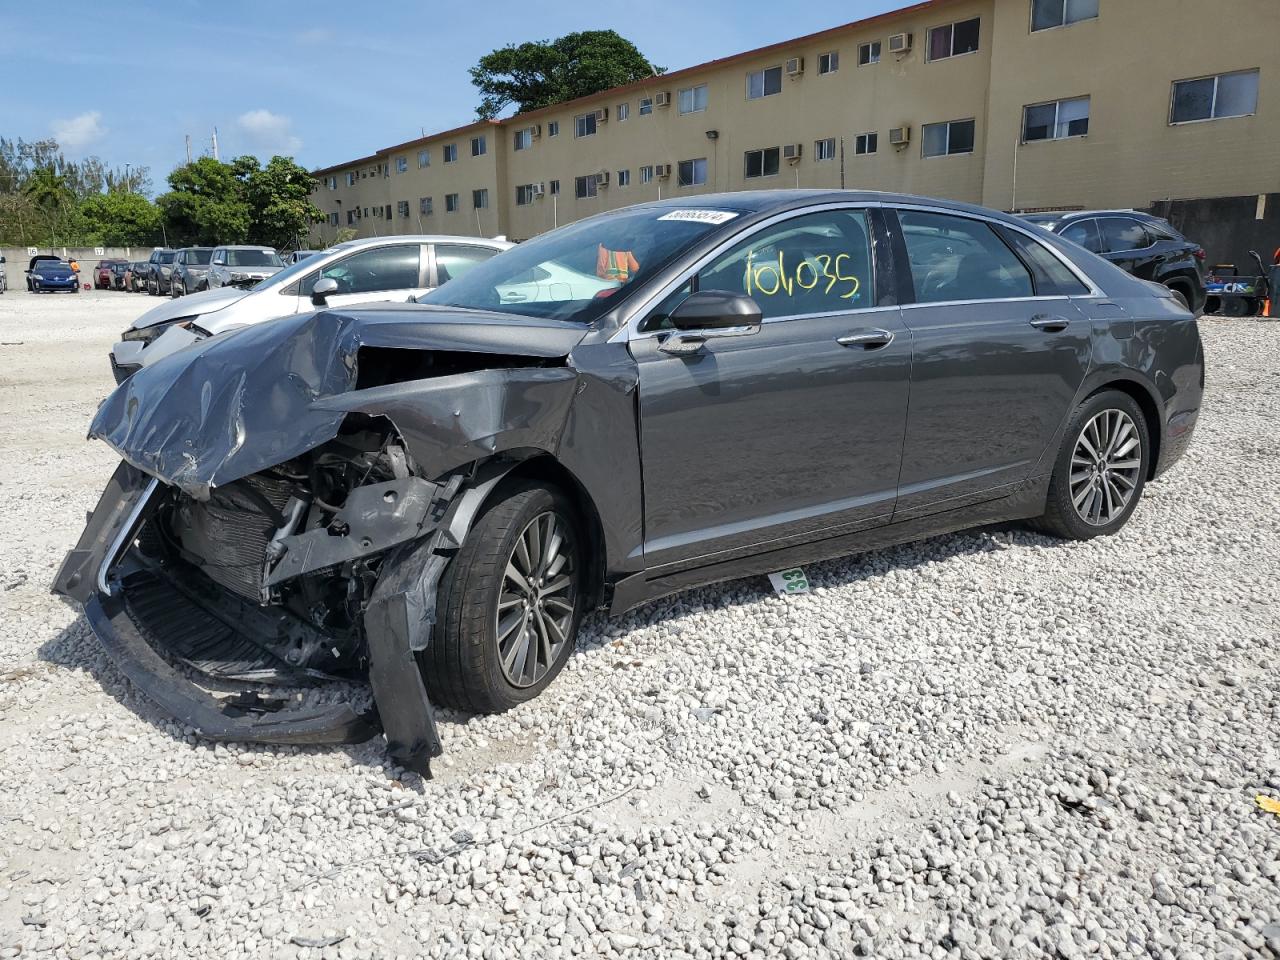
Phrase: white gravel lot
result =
(983, 745)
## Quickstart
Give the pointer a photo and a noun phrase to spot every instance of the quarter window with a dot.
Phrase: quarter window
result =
(824, 149)
(758, 163)
(1213, 98)
(1123, 233)
(1085, 233)
(869, 53)
(372, 271)
(764, 83)
(692, 173)
(585, 187)
(693, 99)
(1046, 14)
(865, 143)
(952, 137)
(828, 62)
(1053, 278)
(954, 258)
(954, 39)
(1056, 121)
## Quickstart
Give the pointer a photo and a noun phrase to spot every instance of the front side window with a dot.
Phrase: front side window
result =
(817, 263)
(757, 163)
(479, 199)
(584, 125)
(424, 159)
(865, 143)
(1085, 233)
(693, 99)
(1123, 233)
(373, 271)
(1046, 14)
(692, 173)
(824, 149)
(954, 39)
(1056, 121)
(954, 258)
(828, 62)
(869, 53)
(624, 112)
(945, 139)
(1215, 98)
(455, 259)
(450, 203)
(450, 153)
(478, 146)
(580, 271)
(764, 83)
(402, 164)
(585, 187)
(646, 106)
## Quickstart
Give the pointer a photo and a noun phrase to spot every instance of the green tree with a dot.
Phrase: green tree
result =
(279, 196)
(119, 219)
(51, 197)
(544, 72)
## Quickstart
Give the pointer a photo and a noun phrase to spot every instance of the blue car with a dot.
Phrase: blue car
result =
(51, 273)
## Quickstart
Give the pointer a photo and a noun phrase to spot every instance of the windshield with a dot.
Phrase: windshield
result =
(253, 258)
(576, 273)
(198, 256)
(167, 257)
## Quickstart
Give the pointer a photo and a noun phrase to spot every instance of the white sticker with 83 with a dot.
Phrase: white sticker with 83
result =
(789, 581)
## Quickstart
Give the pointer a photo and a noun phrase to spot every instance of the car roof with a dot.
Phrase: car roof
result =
(244, 246)
(419, 238)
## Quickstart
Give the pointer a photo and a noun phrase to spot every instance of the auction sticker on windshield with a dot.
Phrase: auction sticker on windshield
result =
(700, 216)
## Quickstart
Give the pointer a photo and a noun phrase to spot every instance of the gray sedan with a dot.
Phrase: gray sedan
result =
(432, 495)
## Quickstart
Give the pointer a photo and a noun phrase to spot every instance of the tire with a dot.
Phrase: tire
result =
(1235, 307)
(1106, 413)
(464, 664)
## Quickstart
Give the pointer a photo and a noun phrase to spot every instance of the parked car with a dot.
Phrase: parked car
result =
(160, 271)
(241, 266)
(119, 273)
(190, 270)
(359, 271)
(102, 274)
(432, 495)
(1145, 246)
(299, 255)
(46, 274)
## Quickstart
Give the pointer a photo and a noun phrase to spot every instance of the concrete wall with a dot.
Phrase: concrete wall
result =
(17, 259)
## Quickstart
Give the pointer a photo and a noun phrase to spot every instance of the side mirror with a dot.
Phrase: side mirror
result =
(715, 310)
(323, 290)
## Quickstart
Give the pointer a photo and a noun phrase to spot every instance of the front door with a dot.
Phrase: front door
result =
(391, 273)
(793, 433)
(1000, 350)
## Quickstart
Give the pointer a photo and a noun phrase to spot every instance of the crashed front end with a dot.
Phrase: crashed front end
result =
(271, 528)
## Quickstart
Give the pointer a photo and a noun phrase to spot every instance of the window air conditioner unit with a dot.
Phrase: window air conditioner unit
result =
(900, 136)
(602, 115)
(662, 171)
(900, 43)
(537, 189)
(535, 131)
(795, 66)
(602, 178)
(662, 99)
(791, 151)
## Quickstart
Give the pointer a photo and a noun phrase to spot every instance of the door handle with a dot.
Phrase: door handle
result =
(1049, 323)
(871, 340)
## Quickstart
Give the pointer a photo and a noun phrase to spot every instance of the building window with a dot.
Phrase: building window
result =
(450, 153)
(693, 99)
(478, 147)
(332, 182)
(584, 125)
(646, 173)
(624, 178)
(553, 128)
(624, 112)
(402, 208)
(954, 39)
(945, 139)
(424, 159)
(387, 211)
(366, 211)
(351, 179)
(1056, 121)
(1213, 98)
(824, 149)
(554, 187)
(524, 194)
(764, 83)
(450, 203)
(351, 217)
(585, 187)
(1058, 13)
(333, 219)
(760, 163)
(693, 173)
(480, 199)
(865, 143)
(402, 164)
(646, 106)
(869, 53)
(523, 139)
(828, 62)
(425, 206)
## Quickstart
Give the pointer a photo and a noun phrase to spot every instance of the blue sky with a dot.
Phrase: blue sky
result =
(322, 80)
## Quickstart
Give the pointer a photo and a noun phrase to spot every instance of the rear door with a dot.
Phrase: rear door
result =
(1129, 246)
(999, 351)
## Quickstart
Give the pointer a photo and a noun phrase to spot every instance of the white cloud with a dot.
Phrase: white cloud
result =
(79, 132)
(268, 132)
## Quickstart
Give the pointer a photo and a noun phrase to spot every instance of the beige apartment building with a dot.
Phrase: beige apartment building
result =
(1013, 104)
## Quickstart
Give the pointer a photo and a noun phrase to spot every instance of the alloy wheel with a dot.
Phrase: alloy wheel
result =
(537, 601)
(1105, 467)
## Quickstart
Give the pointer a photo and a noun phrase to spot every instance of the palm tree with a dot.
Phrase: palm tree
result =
(49, 192)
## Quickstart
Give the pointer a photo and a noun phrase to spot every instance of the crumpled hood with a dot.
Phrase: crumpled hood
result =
(232, 405)
(194, 304)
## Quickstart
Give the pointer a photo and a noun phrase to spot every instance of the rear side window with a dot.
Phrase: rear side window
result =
(954, 258)
(455, 260)
(1123, 233)
(1086, 234)
(1053, 278)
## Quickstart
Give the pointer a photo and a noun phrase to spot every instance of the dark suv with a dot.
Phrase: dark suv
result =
(1145, 246)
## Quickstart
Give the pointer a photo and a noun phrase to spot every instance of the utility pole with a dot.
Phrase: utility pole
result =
(215, 144)
(188, 149)
(842, 163)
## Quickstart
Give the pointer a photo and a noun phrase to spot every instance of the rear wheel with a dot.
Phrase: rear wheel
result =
(509, 603)
(1101, 469)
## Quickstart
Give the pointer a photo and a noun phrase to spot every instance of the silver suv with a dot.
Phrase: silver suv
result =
(242, 266)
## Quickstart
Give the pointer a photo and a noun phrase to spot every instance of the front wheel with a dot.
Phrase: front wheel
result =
(509, 603)
(1101, 470)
